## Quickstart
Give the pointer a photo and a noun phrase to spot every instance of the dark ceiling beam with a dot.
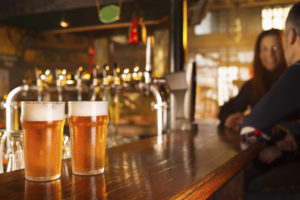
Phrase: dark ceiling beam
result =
(106, 26)
(11, 8)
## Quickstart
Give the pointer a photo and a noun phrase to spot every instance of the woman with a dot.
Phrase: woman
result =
(268, 65)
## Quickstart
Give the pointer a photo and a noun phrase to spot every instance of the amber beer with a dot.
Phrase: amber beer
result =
(88, 129)
(42, 124)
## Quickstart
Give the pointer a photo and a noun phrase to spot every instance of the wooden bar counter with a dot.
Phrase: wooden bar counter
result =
(180, 165)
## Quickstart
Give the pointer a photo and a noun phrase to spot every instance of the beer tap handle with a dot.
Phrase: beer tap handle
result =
(57, 78)
(148, 54)
(95, 83)
(104, 71)
(117, 81)
(58, 85)
(78, 83)
(106, 94)
(148, 67)
(37, 74)
(38, 83)
(115, 70)
(95, 73)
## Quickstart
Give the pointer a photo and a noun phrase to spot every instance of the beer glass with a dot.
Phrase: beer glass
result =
(42, 124)
(88, 129)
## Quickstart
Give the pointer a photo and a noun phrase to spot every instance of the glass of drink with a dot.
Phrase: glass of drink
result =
(88, 129)
(42, 123)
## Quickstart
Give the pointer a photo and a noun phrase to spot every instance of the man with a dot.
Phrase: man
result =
(282, 102)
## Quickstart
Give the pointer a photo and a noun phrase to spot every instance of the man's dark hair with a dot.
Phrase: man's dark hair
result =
(293, 19)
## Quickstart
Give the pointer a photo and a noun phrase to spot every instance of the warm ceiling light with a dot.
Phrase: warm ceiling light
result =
(64, 23)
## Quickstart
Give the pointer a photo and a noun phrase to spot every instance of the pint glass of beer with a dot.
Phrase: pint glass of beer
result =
(42, 123)
(88, 129)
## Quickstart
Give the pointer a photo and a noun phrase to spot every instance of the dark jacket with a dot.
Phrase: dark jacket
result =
(239, 103)
(281, 102)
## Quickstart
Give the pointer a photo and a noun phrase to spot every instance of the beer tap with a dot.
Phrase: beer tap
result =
(116, 78)
(148, 87)
(95, 86)
(38, 84)
(105, 83)
(148, 67)
(79, 83)
(9, 106)
(115, 84)
(58, 85)
(10, 117)
(115, 101)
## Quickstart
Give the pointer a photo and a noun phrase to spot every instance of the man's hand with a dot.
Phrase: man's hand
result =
(288, 143)
(269, 154)
(234, 121)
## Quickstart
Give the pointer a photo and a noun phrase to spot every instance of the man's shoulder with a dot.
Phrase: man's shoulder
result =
(293, 70)
(294, 67)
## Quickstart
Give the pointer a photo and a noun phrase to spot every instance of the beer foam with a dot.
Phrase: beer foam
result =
(42, 111)
(88, 108)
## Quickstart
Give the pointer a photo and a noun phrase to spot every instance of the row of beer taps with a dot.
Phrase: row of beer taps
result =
(101, 83)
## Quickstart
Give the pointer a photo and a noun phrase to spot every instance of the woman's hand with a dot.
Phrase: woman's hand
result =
(234, 121)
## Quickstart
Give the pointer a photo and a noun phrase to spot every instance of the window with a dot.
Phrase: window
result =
(205, 26)
(274, 17)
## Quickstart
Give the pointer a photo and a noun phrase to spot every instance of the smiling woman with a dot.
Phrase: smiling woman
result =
(270, 52)
(268, 65)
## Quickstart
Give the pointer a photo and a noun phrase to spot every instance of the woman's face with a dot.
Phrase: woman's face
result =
(270, 52)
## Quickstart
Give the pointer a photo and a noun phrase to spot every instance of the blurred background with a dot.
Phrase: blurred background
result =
(57, 42)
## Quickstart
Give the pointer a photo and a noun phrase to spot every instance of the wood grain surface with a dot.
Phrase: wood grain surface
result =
(180, 165)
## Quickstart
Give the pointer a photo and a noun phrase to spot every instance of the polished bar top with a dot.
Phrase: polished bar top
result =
(180, 165)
